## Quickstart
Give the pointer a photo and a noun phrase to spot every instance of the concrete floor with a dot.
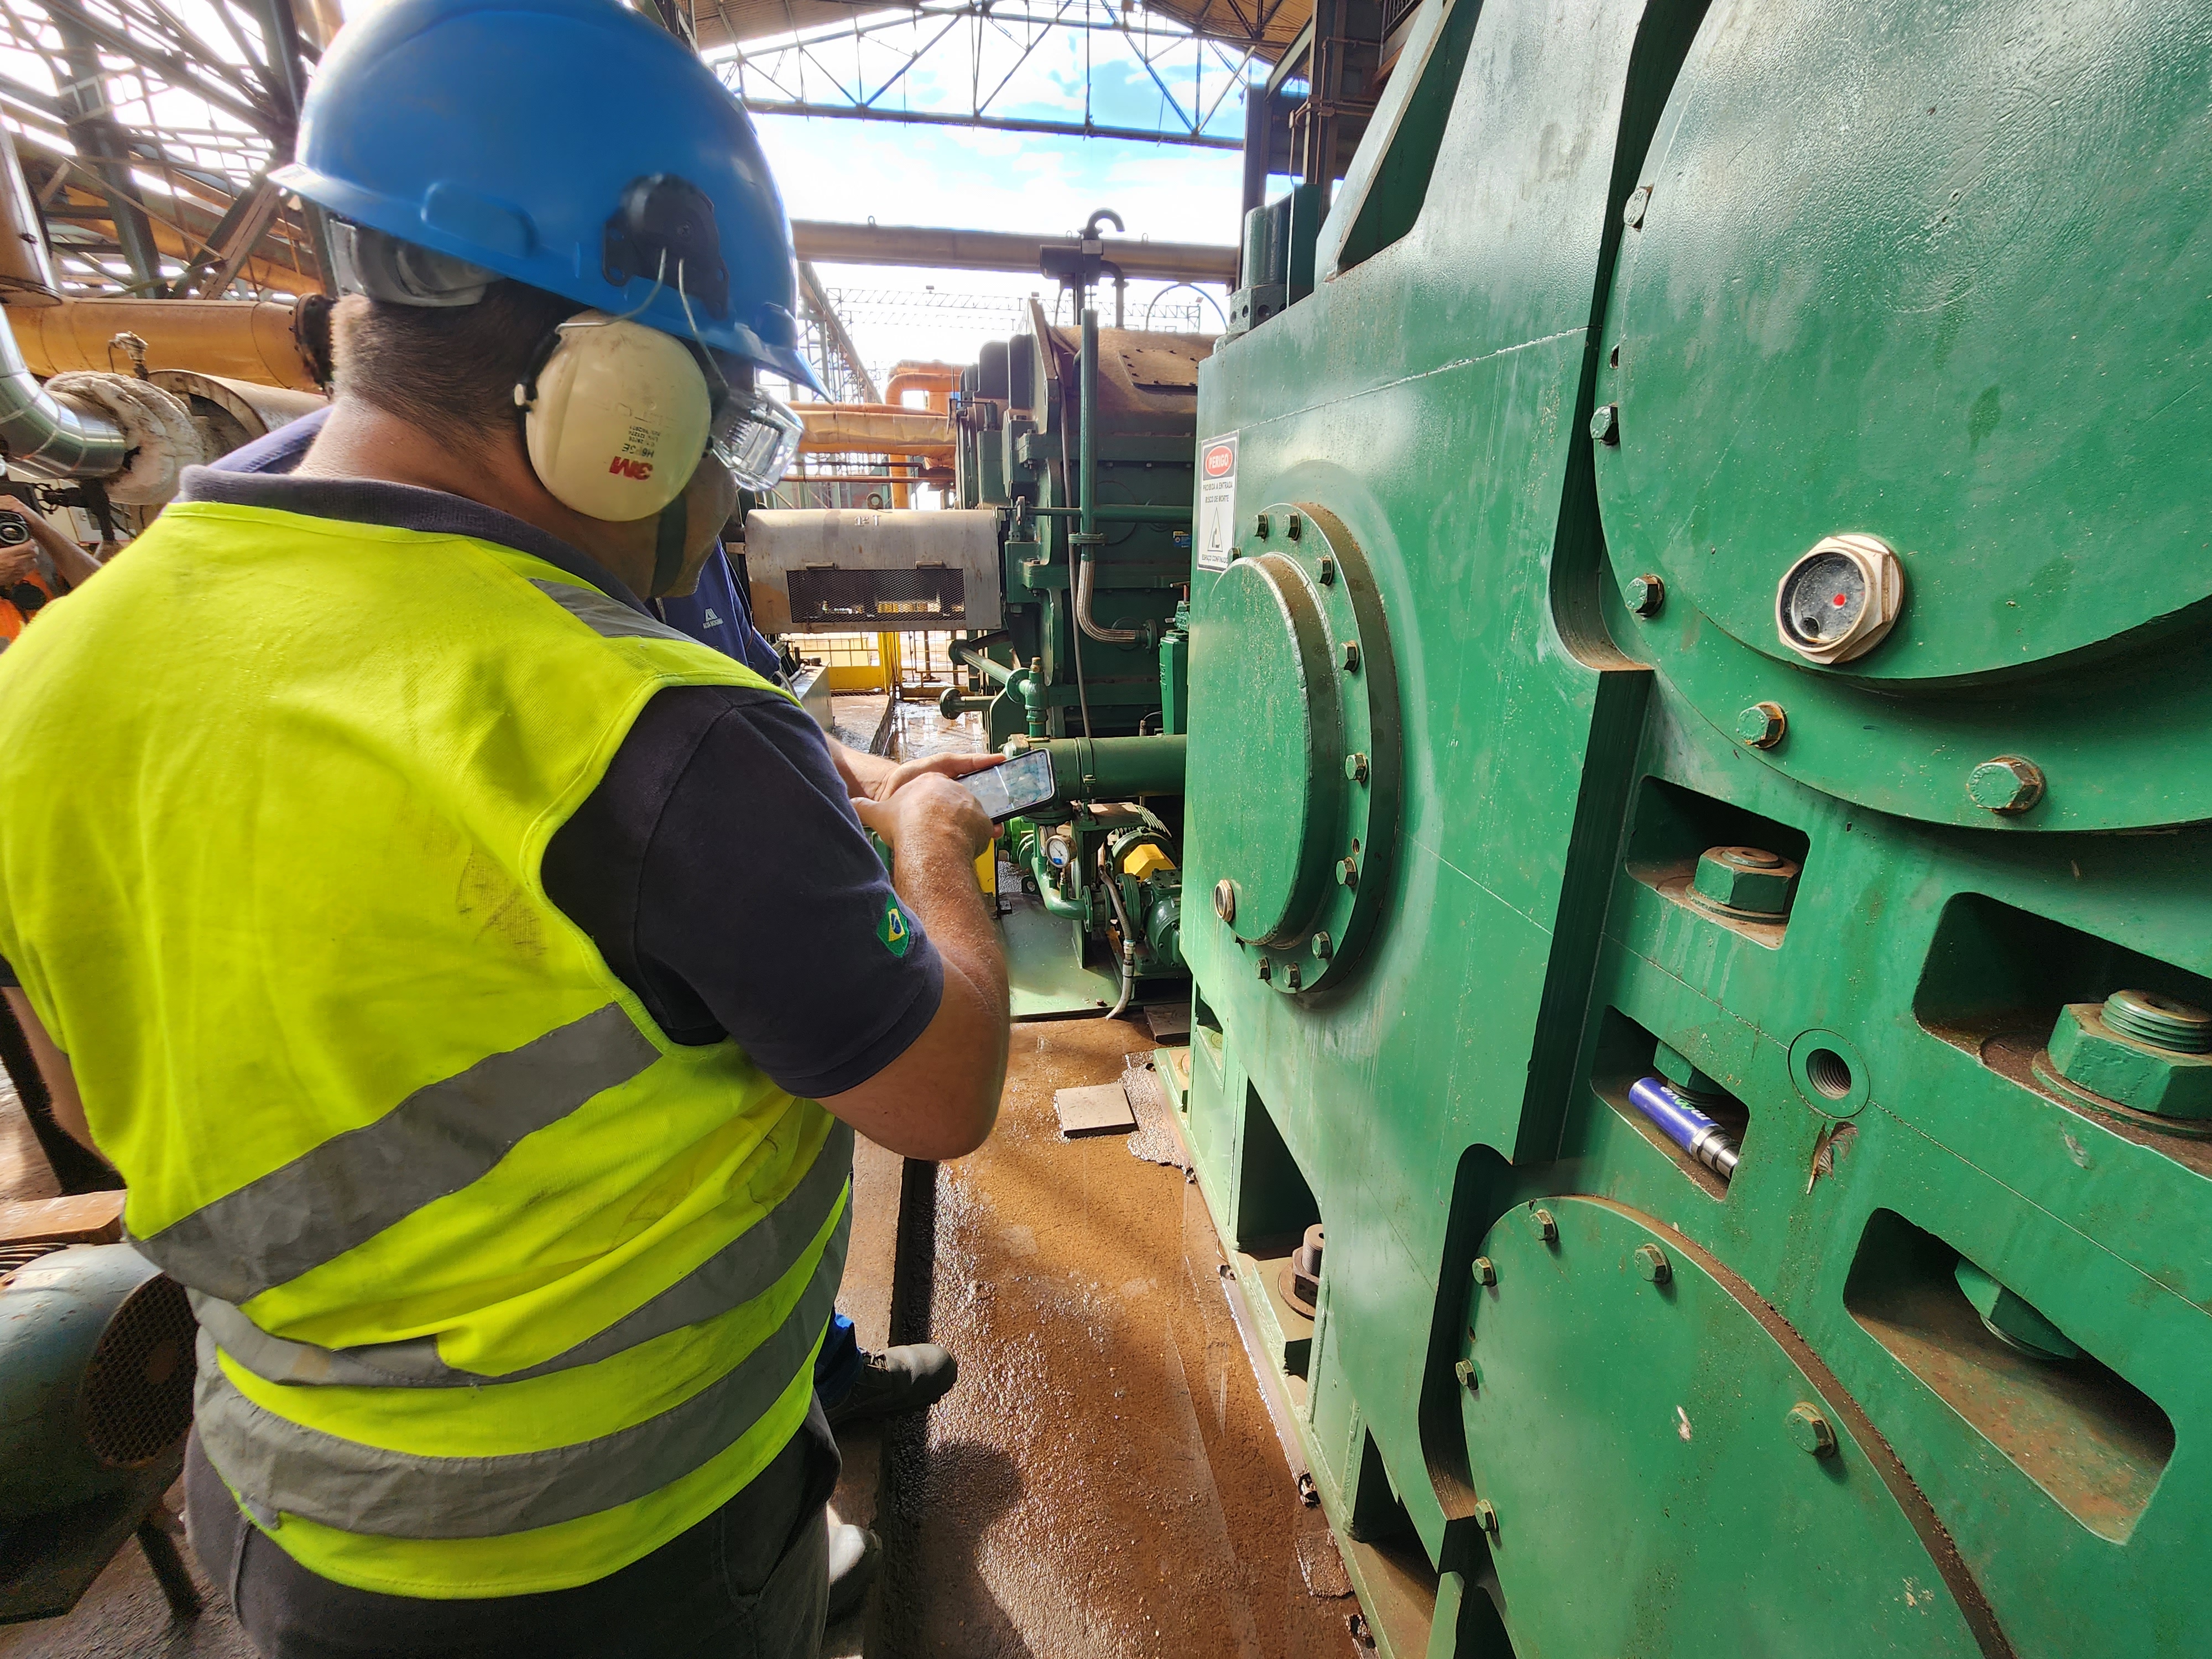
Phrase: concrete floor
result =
(1104, 1481)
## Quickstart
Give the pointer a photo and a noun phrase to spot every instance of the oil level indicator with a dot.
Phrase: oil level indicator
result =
(1839, 601)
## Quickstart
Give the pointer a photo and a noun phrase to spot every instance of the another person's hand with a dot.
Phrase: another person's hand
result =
(929, 806)
(18, 564)
(949, 766)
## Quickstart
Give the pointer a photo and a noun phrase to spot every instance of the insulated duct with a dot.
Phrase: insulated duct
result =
(49, 437)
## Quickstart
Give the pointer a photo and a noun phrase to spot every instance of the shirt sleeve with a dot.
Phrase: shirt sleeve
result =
(7, 980)
(721, 872)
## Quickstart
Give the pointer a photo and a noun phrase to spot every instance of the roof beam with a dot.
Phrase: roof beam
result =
(994, 123)
(930, 249)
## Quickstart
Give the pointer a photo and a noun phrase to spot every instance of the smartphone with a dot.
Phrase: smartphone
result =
(1013, 785)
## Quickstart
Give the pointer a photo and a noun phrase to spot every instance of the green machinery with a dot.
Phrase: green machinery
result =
(1701, 738)
(1081, 439)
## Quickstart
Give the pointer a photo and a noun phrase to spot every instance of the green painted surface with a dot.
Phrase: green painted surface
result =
(1933, 272)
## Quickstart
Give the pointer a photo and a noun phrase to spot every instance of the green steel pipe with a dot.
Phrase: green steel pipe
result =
(1087, 451)
(1022, 683)
(1118, 512)
(1055, 902)
(1115, 769)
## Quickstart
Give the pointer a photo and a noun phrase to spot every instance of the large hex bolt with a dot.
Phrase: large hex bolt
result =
(1224, 899)
(1762, 726)
(1809, 1427)
(2007, 785)
(1645, 594)
(1745, 881)
(2139, 1049)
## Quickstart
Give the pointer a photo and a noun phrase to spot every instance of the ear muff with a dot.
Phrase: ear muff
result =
(616, 418)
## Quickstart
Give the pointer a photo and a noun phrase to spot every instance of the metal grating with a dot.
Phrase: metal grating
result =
(905, 599)
(136, 1399)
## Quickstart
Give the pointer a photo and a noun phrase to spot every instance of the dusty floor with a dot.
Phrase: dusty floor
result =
(1104, 1480)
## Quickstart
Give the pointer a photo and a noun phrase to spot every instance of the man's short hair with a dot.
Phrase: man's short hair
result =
(450, 371)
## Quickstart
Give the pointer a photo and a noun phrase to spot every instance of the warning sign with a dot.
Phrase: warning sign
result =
(1216, 502)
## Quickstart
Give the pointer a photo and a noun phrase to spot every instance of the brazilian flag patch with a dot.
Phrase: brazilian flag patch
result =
(893, 929)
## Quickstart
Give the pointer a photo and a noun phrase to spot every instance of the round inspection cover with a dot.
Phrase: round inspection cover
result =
(1889, 283)
(1293, 759)
(1260, 670)
(1667, 1475)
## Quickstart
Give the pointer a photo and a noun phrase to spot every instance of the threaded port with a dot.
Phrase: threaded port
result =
(1829, 1072)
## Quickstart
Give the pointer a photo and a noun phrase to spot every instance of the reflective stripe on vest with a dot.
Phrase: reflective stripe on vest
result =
(734, 1275)
(433, 1143)
(502, 1288)
(280, 1467)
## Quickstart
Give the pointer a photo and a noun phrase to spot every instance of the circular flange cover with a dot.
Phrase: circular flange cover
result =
(1294, 728)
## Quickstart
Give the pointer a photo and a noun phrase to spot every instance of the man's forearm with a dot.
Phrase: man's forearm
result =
(862, 772)
(936, 877)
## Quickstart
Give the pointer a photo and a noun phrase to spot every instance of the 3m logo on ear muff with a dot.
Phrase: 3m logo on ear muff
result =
(612, 397)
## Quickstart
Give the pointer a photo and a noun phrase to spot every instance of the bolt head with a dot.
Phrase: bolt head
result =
(1464, 1370)
(1645, 594)
(1746, 880)
(1296, 525)
(1323, 947)
(1325, 571)
(1762, 726)
(1631, 211)
(1261, 527)
(1293, 981)
(1651, 1262)
(1605, 425)
(1544, 1226)
(1266, 970)
(2087, 1051)
(1224, 899)
(1486, 1271)
(1355, 768)
(1348, 872)
(2008, 784)
(1351, 657)
(1810, 1429)
(1486, 1516)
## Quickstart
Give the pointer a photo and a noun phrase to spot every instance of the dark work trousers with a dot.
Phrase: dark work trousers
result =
(751, 1581)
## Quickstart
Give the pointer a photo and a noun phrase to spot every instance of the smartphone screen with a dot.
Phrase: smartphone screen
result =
(1013, 785)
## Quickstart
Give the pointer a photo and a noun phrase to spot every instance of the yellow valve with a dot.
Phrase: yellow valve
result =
(1143, 860)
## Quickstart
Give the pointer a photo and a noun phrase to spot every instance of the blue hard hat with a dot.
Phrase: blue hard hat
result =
(569, 145)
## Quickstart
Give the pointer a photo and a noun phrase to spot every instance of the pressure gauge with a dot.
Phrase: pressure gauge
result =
(1840, 600)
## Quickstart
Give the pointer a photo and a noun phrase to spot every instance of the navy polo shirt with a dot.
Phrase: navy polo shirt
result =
(719, 866)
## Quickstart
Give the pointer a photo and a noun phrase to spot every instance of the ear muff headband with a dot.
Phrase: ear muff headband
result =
(616, 417)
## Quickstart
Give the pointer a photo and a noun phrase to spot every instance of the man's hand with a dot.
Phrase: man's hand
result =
(927, 805)
(940, 1097)
(18, 564)
(948, 766)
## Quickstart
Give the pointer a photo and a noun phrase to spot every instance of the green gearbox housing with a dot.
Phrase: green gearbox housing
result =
(1708, 627)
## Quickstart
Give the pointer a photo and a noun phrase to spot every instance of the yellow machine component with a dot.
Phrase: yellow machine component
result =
(258, 341)
(1145, 859)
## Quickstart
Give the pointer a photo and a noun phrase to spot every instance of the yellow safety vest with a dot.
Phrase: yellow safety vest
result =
(500, 1287)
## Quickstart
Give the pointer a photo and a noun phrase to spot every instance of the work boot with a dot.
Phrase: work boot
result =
(854, 1554)
(894, 1382)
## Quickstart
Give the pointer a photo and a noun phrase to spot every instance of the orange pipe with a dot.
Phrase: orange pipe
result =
(242, 339)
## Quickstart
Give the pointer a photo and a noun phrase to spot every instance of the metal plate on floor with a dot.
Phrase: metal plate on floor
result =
(1100, 1110)
(1044, 980)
